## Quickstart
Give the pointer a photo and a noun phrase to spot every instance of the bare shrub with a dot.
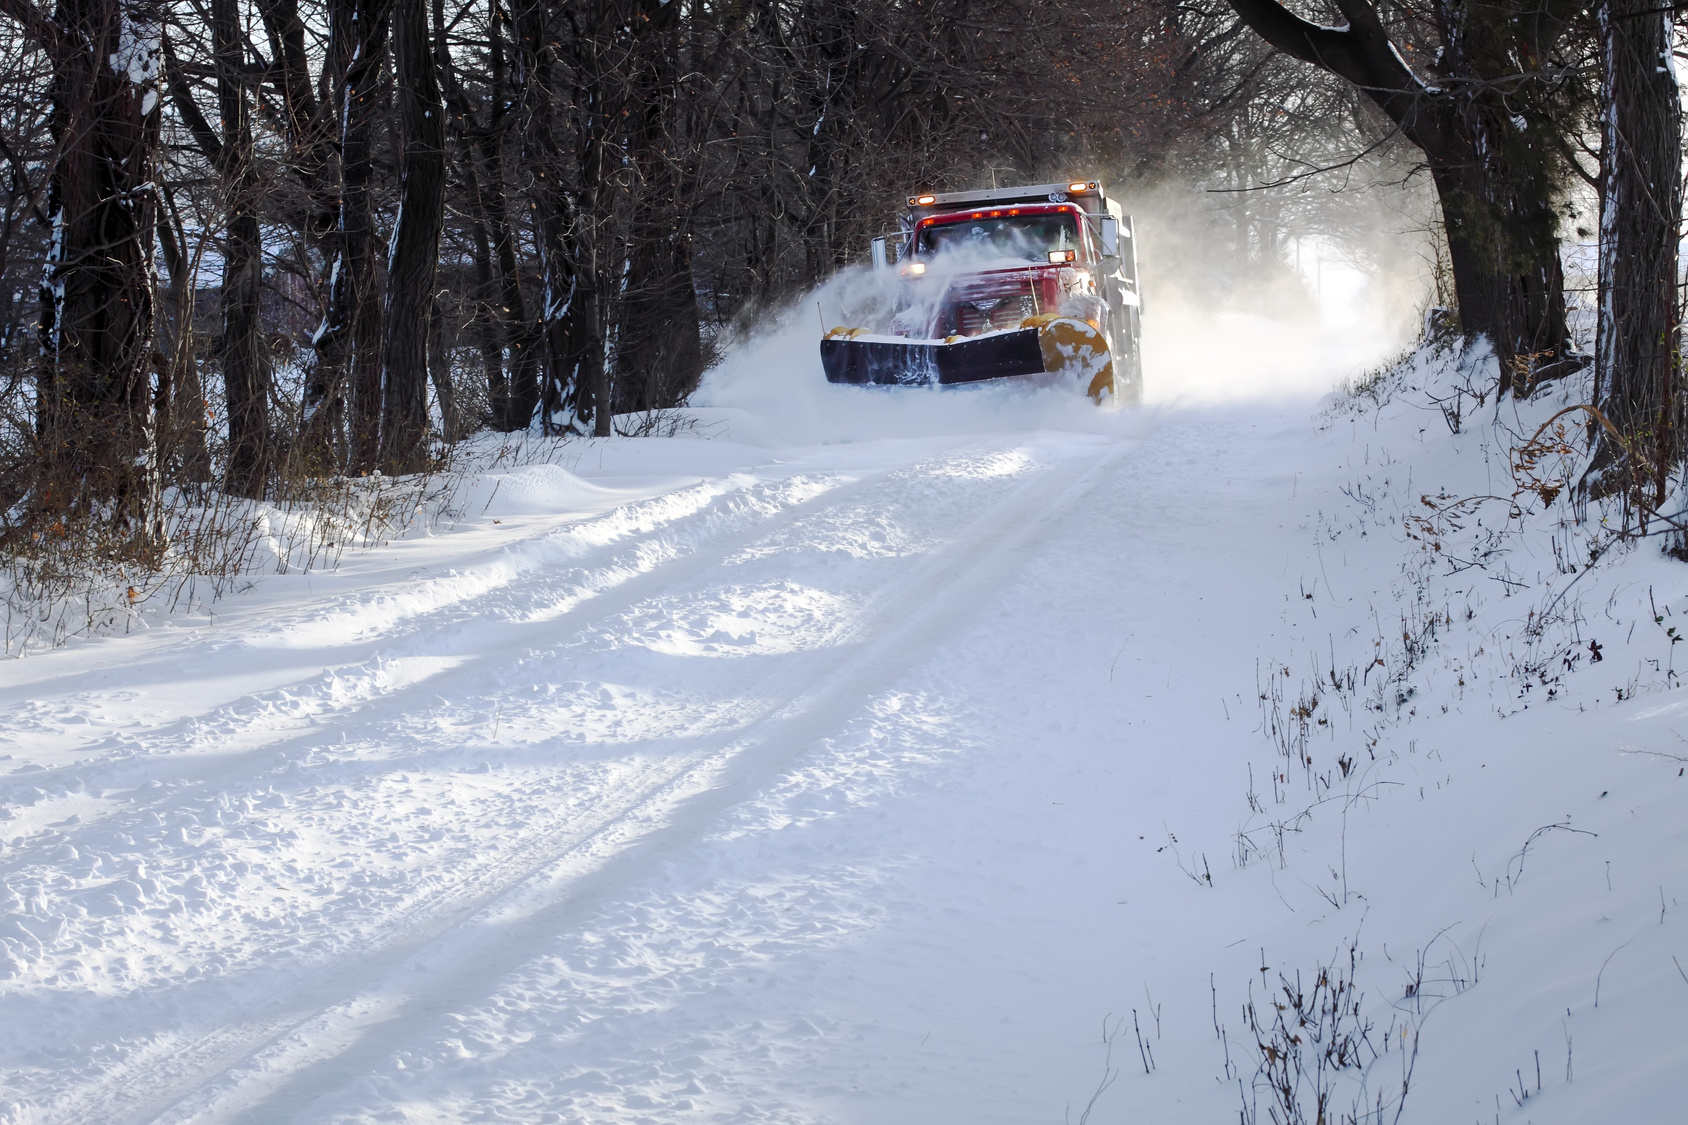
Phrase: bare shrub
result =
(1315, 1049)
(93, 568)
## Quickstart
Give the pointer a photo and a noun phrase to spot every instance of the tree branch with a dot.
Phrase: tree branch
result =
(1361, 53)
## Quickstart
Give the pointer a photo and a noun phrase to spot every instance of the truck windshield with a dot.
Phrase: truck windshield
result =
(1027, 237)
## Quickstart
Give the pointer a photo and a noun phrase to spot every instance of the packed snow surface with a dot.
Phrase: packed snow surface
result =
(880, 757)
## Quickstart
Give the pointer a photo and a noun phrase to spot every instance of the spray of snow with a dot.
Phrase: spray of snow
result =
(1213, 330)
(1218, 329)
(770, 389)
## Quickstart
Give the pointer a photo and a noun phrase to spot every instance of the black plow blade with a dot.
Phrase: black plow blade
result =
(919, 364)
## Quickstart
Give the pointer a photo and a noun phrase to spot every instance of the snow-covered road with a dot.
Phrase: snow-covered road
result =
(723, 778)
(640, 803)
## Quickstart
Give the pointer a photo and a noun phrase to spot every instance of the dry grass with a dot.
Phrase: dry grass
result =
(86, 576)
(89, 569)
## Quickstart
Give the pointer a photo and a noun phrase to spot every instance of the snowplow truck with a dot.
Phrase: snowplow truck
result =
(1036, 282)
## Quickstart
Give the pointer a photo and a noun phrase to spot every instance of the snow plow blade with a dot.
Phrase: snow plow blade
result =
(848, 359)
(1042, 345)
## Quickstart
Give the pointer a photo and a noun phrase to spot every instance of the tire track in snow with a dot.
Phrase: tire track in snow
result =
(278, 716)
(547, 574)
(419, 601)
(370, 716)
(272, 1067)
(699, 544)
(447, 905)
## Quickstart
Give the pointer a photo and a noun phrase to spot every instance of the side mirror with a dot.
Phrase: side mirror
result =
(1110, 237)
(880, 260)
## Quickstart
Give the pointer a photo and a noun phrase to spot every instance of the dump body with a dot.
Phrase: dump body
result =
(1036, 281)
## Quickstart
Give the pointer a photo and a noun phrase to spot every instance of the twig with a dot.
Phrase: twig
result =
(1602, 971)
(1142, 1050)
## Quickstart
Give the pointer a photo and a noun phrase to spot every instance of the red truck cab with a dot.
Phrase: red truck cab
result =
(1033, 258)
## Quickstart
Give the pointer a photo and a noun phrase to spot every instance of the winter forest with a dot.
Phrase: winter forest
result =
(466, 657)
(246, 246)
(357, 231)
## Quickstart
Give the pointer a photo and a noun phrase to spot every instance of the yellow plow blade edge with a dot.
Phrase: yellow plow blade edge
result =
(1076, 348)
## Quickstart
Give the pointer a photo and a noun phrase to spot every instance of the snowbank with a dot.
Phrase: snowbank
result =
(1479, 785)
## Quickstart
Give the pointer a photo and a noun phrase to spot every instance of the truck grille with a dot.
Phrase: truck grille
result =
(1002, 306)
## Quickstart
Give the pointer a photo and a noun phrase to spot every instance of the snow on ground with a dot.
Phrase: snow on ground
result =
(864, 756)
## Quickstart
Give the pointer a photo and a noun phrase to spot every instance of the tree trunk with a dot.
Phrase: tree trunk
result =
(312, 122)
(1492, 156)
(439, 370)
(1637, 349)
(94, 395)
(497, 320)
(1503, 249)
(556, 236)
(246, 376)
(597, 98)
(661, 353)
(594, 372)
(347, 372)
(485, 324)
(415, 252)
(179, 418)
(286, 33)
(829, 50)
(309, 125)
(515, 410)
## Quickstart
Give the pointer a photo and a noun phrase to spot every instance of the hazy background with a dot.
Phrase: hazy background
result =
(1339, 287)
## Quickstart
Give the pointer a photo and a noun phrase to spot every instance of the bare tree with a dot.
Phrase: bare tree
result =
(93, 393)
(1638, 352)
(415, 248)
(661, 354)
(246, 375)
(343, 394)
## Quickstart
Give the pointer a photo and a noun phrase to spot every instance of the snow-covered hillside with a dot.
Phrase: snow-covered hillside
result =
(887, 757)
